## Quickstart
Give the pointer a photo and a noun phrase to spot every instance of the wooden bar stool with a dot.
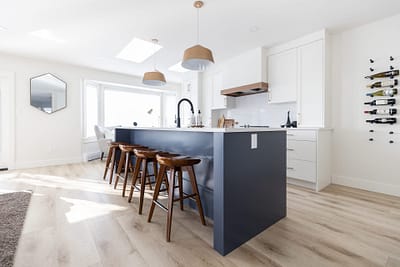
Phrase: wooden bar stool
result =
(111, 159)
(176, 166)
(143, 158)
(127, 151)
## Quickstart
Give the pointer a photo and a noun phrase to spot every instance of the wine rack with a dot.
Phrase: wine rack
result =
(382, 103)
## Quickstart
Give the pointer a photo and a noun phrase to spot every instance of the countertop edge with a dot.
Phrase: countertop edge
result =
(209, 130)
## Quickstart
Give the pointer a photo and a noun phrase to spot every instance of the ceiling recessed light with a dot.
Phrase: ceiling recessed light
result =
(178, 67)
(3, 28)
(46, 35)
(138, 50)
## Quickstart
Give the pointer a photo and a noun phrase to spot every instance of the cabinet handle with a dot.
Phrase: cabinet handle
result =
(290, 134)
(290, 149)
(290, 168)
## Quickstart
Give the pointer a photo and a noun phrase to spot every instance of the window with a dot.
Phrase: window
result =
(124, 108)
(91, 109)
(111, 105)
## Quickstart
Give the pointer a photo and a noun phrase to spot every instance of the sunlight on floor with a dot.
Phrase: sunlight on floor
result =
(83, 209)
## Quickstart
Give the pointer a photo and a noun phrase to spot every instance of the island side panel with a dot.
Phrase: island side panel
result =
(123, 135)
(219, 193)
(194, 144)
(254, 185)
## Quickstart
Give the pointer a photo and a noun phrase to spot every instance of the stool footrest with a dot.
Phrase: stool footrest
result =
(185, 197)
(176, 199)
(160, 205)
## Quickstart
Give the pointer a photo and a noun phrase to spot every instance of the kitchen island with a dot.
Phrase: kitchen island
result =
(241, 177)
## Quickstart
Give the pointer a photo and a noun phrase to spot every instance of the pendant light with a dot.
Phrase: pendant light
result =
(197, 57)
(154, 78)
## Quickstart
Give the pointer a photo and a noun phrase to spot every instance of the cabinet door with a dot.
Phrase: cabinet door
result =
(218, 100)
(311, 90)
(282, 77)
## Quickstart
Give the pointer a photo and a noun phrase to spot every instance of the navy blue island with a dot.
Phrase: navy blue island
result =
(241, 177)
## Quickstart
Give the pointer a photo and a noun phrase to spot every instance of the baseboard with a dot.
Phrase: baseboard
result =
(91, 156)
(388, 189)
(300, 183)
(44, 163)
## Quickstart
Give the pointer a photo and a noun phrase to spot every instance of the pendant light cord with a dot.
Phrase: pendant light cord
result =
(198, 25)
(155, 53)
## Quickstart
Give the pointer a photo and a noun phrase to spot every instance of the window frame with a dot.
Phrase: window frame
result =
(103, 86)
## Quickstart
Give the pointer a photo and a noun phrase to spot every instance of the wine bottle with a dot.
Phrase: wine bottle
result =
(384, 74)
(382, 102)
(383, 120)
(384, 92)
(389, 83)
(391, 111)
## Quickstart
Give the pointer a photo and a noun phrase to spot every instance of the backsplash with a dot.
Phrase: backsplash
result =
(255, 110)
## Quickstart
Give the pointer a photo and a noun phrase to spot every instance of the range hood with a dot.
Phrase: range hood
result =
(250, 89)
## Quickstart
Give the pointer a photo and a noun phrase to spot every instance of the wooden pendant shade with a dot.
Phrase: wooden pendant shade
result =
(154, 78)
(197, 58)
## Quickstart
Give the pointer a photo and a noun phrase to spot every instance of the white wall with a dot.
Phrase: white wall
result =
(47, 139)
(357, 162)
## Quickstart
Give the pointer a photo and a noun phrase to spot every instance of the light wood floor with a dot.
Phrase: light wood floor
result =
(76, 219)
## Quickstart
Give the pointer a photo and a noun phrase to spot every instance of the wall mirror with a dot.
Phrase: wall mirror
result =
(48, 93)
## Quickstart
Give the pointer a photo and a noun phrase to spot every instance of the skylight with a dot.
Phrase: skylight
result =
(138, 50)
(178, 67)
(46, 35)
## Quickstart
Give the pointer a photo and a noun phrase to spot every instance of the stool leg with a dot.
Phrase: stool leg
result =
(170, 203)
(180, 186)
(142, 184)
(196, 191)
(113, 160)
(119, 169)
(107, 163)
(154, 163)
(159, 179)
(134, 178)
(127, 159)
(165, 177)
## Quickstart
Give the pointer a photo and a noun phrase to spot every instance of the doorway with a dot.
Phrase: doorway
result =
(7, 120)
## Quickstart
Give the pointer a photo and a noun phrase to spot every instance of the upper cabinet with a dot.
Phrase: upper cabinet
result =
(282, 76)
(311, 92)
(297, 73)
(218, 101)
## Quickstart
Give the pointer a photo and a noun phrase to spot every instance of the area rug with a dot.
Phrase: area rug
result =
(13, 207)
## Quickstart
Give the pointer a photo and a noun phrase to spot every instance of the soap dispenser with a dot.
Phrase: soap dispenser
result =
(288, 123)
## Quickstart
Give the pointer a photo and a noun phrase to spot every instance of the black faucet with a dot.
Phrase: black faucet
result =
(178, 119)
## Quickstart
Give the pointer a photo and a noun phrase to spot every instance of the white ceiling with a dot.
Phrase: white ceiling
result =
(95, 31)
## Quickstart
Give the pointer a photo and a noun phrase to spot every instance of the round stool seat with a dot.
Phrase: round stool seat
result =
(146, 153)
(116, 144)
(130, 148)
(179, 161)
(167, 154)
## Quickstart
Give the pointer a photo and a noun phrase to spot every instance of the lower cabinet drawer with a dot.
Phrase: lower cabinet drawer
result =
(301, 169)
(309, 135)
(302, 150)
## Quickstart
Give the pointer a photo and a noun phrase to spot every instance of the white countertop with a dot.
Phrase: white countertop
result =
(210, 130)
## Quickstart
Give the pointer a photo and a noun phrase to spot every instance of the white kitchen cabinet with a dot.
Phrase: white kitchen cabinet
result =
(282, 76)
(311, 91)
(218, 101)
(297, 71)
(308, 157)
